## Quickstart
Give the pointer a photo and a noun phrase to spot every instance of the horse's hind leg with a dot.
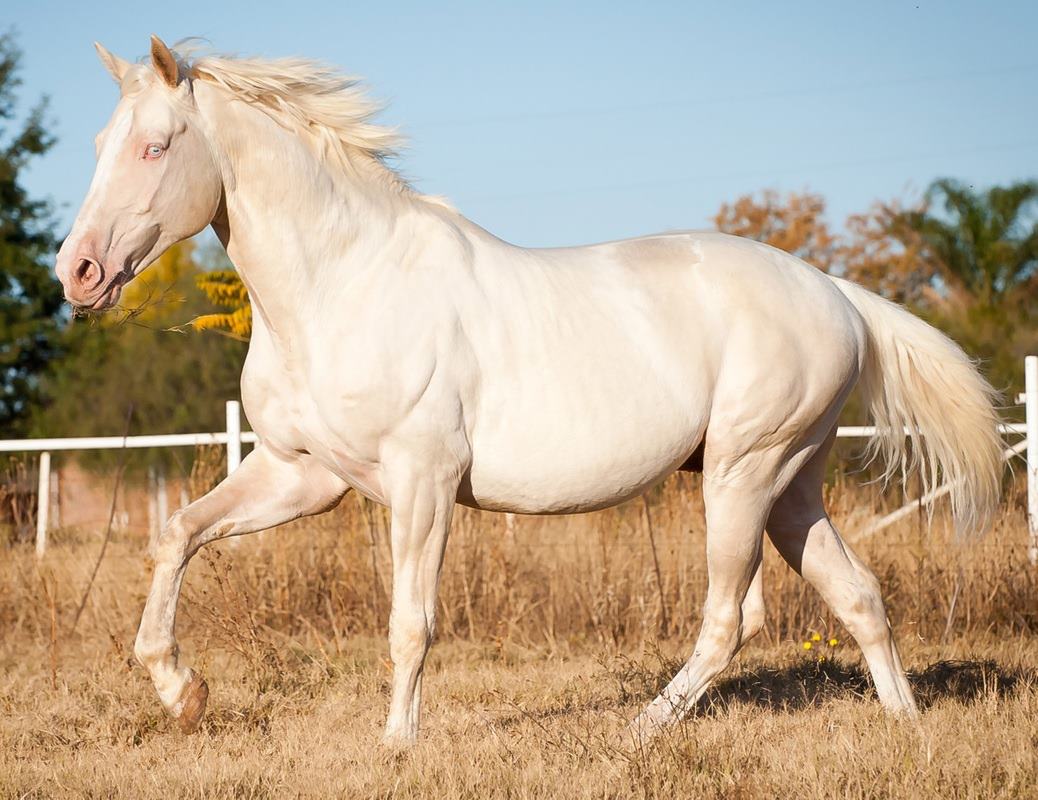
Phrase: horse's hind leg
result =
(804, 535)
(735, 516)
(753, 606)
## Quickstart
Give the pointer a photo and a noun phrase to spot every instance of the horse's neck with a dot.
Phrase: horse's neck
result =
(295, 228)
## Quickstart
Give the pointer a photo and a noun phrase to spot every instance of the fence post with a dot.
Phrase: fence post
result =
(154, 523)
(162, 504)
(1031, 406)
(42, 504)
(233, 435)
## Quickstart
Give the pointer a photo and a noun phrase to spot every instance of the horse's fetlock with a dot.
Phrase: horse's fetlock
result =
(151, 651)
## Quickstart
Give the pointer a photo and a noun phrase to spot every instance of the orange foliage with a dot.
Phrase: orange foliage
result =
(795, 224)
(889, 257)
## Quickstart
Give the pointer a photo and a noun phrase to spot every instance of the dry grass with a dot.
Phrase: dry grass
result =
(552, 635)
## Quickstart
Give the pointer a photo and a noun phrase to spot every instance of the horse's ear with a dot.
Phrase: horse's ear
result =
(116, 66)
(165, 62)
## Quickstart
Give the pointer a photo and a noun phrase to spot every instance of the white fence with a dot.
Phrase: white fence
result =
(234, 437)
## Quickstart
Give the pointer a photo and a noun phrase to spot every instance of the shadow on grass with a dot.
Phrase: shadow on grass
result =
(811, 683)
(790, 688)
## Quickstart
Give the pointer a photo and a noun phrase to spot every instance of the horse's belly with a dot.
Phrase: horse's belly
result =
(582, 466)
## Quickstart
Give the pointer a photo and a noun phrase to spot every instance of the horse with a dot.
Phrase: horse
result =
(402, 351)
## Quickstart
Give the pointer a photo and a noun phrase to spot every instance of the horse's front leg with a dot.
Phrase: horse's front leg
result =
(422, 507)
(265, 491)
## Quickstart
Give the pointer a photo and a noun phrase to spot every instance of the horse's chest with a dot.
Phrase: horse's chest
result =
(296, 414)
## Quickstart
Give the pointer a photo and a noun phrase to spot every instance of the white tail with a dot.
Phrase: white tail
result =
(918, 379)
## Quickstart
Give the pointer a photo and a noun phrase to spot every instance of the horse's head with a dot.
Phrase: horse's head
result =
(156, 181)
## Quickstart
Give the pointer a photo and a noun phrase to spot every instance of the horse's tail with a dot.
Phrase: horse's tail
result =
(917, 379)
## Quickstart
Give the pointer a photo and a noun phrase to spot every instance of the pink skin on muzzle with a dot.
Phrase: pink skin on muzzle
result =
(86, 282)
(94, 282)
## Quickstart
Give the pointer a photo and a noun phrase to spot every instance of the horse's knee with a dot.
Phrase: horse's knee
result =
(176, 531)
(177, 540)
(409, 637)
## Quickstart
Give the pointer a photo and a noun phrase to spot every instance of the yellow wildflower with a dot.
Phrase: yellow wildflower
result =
(833, 642)
(807, 645)
(816, 637)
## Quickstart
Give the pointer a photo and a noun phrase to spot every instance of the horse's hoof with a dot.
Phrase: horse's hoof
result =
(398, 741)
(188, 710)
(641, 730)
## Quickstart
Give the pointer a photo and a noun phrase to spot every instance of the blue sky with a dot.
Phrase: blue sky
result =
(554, 124)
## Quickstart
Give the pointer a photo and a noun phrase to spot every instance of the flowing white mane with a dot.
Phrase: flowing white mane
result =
(305, 96)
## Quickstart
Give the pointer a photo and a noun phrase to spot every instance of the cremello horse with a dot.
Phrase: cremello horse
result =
(400, 350)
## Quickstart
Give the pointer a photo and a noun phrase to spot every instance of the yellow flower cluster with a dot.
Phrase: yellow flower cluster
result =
(815, 639)
(224, 288)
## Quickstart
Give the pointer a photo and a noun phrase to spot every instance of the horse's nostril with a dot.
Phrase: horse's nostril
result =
(86, 272)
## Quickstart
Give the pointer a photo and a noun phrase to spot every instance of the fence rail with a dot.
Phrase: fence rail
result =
(119, 442)
(233, 438)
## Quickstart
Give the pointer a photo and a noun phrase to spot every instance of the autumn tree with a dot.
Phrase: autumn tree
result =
(880, 252)
(229, 312)
(225, 290)
(965, 259)
(795, 224)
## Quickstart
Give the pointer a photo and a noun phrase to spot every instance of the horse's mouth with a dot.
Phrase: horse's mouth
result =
(105, 300)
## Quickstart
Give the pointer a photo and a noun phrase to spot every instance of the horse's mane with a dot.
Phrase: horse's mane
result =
(305, 96)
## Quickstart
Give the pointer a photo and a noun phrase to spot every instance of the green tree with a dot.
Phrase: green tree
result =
(30, 297)
(981, 246)
(967, 259)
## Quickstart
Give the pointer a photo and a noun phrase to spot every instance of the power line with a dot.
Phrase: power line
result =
(723, 100)
(756, 173)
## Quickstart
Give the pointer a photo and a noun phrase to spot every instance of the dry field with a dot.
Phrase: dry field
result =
(552, 635)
